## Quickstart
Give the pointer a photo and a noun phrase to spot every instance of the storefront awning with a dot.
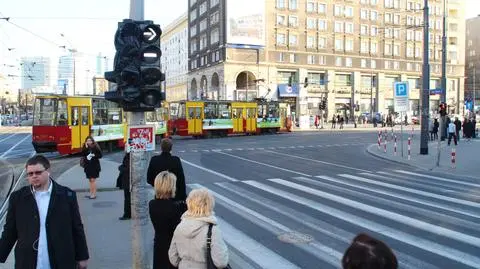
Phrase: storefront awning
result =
(287, 91)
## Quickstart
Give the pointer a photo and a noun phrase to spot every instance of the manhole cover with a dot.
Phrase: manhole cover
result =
(104, 204)
(295, 238)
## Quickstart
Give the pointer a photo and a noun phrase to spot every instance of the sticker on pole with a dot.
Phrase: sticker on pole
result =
(141, 138)
(400, 96)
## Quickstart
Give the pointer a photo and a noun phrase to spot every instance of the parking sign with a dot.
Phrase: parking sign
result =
(400, 96)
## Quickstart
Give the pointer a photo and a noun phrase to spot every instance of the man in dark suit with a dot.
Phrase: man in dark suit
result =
(44, 221)
(166, 162)
(123, 182)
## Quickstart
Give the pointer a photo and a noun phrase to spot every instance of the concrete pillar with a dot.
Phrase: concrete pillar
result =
(380, 96)
(302, 102)
(331, 93)
(356, 91)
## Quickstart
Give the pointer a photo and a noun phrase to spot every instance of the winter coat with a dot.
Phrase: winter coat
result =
(165, 215)
(188, 249)
(123, 179)
(66, 238)
(92, 167)
(166, 162)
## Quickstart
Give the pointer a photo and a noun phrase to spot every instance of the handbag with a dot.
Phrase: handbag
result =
(83, 161)
(210, 264)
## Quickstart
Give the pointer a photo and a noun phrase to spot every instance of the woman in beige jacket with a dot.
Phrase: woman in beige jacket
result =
(188, 249)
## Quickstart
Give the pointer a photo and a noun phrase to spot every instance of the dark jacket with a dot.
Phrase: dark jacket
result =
(65, 235)
(173, 164)
(165, 215)
(92, 168)
(123, 179)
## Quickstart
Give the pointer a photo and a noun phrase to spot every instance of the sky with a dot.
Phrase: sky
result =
(88, 25)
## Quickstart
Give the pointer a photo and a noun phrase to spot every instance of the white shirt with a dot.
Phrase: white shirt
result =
(451, 127)
(43, 200)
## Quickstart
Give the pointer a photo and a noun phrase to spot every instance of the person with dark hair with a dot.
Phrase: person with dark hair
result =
(123, 182)
(91, 153)
(366, 252)
(53, 240)
(167, 162)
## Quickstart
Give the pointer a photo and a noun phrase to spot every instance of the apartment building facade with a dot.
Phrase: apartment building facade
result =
(352, 52)
(174, 61)
(472, 60)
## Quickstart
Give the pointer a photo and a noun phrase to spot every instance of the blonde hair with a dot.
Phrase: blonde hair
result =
(165, 185)
(200, 203)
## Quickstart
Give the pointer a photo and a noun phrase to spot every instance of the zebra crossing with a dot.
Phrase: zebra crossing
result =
(429, 221)
(271, 148)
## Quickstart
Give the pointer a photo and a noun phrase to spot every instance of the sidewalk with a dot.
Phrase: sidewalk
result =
(15, 129)
(466, 155)
(360, 128)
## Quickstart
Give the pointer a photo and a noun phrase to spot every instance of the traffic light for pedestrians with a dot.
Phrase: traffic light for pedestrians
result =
(323, 104)
(442, 109)
(137, 71)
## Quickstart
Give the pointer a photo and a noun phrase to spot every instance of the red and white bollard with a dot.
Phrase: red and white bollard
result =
(395, 146)
(385, 144)
(411, 133)
(409, 147)
(454, 155)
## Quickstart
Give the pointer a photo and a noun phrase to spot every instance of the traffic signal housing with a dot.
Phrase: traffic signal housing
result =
(137, 69)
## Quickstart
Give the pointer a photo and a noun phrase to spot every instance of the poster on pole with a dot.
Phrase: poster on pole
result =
(140, 138)
(400, 96)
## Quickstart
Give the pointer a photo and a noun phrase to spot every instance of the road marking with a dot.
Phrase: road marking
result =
(317, 161)
(8, 137)
(210, 171)
(401, 236)
(414, 191)
(401, 196)
(438, 178)
(315, 248)
(265, 164)
(14, 146)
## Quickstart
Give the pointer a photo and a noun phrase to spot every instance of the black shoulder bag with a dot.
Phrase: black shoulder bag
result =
(210, 264)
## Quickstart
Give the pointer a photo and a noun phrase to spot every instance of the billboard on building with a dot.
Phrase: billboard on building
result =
(245, 22)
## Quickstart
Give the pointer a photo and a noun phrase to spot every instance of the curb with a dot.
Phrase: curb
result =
(411, 164)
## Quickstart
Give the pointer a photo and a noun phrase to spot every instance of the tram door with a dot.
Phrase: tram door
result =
(251, 119)
(237, 119)
(194, 116)
(79, 124)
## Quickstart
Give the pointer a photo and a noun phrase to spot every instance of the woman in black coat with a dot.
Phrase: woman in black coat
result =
(165, 214)
(91, 155)
(123, 182)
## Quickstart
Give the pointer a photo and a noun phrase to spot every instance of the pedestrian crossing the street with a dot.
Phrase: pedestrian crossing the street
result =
(309, 221)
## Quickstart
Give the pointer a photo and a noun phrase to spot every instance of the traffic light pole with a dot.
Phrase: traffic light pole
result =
(424, 136)
(138, 183)
(443, 96)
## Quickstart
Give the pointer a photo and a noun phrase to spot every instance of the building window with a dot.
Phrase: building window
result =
(342, 79)
(373, 15)
(311, 59)
(338, 44)
(203, 8)
(396, 50)
(214, 3)
(396, 19)
(373, 64)
(322, 60)
(388, 49)
(310, 42)
(203, 41)
(349, 28)
(193, 14)
(388, 17)
(396, 65)
(193, 2)
(322, 25)
(417, 52)
(193, 45)
(409, 51)
(193, 30)
(203, 25)
(292, 4)
(214, 18)
(281, 40)
(322, 8)
(373, 47)
(281, 20)
(338, 10)
(374, 30)
(292, 21)
(364, 46)
(348, 12)
(348, 62)
(281, 57)
(281, 3)
(409, 66)
(387, 65)
(363, 63)
(338, 61)
(322, 42)
(349, 45)
(293, 58)
(364, 14)
(214, 36)
(338, 27)
(364, 29)
(292, 39)
(311, 23)
(311, 6)
(373, 2)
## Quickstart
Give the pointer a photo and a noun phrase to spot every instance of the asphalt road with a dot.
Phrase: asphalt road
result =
(297, 200)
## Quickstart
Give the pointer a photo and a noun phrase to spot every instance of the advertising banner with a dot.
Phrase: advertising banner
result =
(141, 138)
(246, 22)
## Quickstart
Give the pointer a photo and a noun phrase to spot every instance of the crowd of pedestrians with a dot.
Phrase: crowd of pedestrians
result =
(44, 222)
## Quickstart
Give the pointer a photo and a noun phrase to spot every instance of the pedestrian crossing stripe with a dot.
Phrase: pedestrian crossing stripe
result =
(273, 204)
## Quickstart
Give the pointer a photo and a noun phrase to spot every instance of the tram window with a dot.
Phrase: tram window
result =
(174, 110)
(161, 113)
(181, 111)
(62, 114)
(261, 111)
(44, 112)
(210, 111)
(273, 111)
(74, 116)
(85, 115)
(150, 116)
(100, 115)
(114, 116)
(224, 111)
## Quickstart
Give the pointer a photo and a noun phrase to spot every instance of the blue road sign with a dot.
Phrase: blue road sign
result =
(435, 91)
(401, 89)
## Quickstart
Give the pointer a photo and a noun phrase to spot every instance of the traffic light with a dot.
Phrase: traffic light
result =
(442, 109)
(137, 71)
(323, 104)
(305, 84)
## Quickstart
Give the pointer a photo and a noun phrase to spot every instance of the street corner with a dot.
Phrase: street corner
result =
(377, 152)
